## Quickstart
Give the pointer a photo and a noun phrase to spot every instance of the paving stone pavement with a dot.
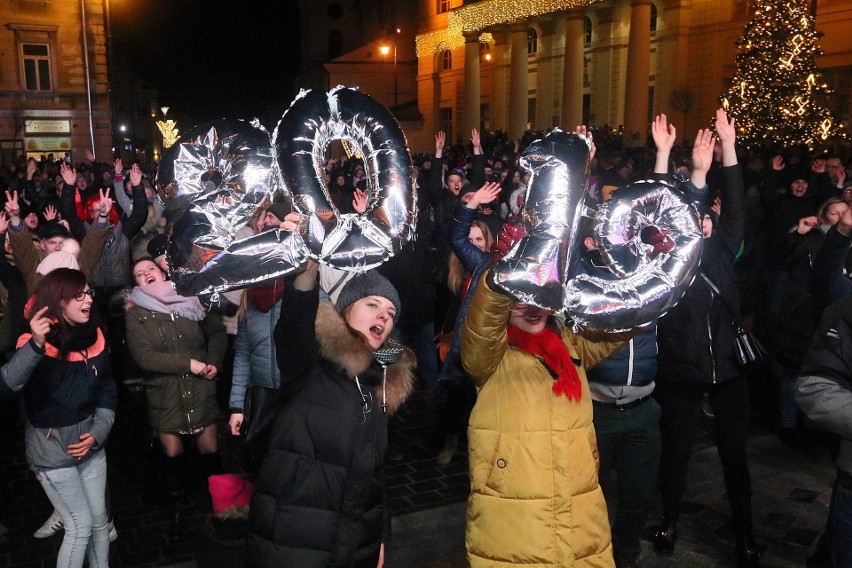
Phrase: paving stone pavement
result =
(791, 493)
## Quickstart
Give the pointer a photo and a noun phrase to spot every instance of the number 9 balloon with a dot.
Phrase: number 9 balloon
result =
(648, 234)
(214, 178)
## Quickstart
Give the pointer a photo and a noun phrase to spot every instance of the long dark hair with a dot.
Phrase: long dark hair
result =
(57, 286)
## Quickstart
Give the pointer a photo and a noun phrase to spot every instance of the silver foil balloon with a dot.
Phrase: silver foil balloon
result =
(349, 241)
(535, 268)
(650, 237)
(212, 181)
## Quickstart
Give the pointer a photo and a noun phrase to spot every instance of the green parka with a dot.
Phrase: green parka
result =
(162, 345)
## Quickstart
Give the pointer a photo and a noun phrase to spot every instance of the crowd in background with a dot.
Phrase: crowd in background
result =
(778, 208)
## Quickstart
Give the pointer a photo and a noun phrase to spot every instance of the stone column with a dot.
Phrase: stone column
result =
(638, 69)
(471, 83)
(572, 72)
(518, 80)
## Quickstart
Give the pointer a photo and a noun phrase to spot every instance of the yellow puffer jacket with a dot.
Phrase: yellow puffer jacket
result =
(535, 498)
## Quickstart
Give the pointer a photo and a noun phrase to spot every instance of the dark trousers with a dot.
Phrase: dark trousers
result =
(834, 549)
(681, 406)
(629, 441)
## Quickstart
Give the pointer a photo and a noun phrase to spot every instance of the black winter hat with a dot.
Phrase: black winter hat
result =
(371, 283)
(50, 229)
(280, 210)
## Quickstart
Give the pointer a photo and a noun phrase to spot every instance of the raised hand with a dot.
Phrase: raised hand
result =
(440, 139)
(806, 224)
(105, 203)
(50, 213)
(359, 201)
(475, 141)
(725, 127)
(135, 175)
(40, 326)
(118, 166)
(12, 208)
(580, 130)
(702, 150)
(778, 163)
(663, 133)
(485, 194)
(818, 165)
(89, 155)
(31, 168)
(69, 174)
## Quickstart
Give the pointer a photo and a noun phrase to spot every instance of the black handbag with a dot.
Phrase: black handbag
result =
(748, 350)
(259, 410)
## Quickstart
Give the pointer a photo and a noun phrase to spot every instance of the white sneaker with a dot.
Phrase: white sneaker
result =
(113, 534)
(51, 526)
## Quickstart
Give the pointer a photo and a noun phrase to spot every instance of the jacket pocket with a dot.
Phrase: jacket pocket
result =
(501, 462)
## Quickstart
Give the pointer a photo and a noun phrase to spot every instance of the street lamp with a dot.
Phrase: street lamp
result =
(385, 50)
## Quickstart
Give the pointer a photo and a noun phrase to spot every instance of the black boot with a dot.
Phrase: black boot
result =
(747, 553)
(666, 535)
(173, 482)
(211, 464)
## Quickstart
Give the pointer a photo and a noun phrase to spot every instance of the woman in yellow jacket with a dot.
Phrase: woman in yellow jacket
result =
(535, 498)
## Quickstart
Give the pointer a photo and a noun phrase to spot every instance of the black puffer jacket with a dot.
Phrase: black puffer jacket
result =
(696, 338)
(320, 499)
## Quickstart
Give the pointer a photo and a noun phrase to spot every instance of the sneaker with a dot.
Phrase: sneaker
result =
(113, 534)
(51, 526)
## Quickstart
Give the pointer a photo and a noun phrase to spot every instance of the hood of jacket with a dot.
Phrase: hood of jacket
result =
(350, 353)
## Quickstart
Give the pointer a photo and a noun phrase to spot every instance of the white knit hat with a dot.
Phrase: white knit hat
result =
(65, 257)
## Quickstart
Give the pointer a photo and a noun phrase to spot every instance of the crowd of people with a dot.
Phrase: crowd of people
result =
(543, 410)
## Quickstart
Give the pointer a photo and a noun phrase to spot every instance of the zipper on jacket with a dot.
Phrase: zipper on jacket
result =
(630, 363)
(710, 344)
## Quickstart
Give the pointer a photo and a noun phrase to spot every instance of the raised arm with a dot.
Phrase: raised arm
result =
(484, 341)
(139, 215)
(664, 135)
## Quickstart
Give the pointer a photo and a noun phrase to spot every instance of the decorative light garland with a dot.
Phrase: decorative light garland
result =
(477, 16)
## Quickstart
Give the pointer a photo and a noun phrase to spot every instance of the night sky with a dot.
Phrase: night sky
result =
(211, 59)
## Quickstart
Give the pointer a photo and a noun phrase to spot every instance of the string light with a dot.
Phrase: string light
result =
(475, 17)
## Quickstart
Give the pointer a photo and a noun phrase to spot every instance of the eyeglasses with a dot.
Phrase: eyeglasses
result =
(82, 295)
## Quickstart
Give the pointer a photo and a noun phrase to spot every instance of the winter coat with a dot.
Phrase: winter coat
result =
(534, 496)
(63, 399)
(824, 389)
(320, 499)
(254, 354)
(162, 345)
(696, 338)
(634, 365)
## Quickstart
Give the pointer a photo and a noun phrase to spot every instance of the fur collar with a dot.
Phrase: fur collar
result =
(349, 352)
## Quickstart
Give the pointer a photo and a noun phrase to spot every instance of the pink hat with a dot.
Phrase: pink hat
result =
(229, 490)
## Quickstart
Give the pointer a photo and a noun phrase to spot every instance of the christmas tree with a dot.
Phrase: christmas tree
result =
(775, 92)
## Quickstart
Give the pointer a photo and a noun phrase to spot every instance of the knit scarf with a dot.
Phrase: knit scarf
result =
(264, 296)
(548, 346)
(163, 298)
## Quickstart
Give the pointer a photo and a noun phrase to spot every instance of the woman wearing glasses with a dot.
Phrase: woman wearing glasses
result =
(320, 499)
(180, 348)
(69, 405)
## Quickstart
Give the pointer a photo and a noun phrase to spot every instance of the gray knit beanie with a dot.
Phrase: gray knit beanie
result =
(371, 283)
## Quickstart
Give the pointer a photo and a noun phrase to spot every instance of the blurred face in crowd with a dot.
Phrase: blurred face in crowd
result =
(454, 183)
(372, 317)
(146, 272)
(847, 194)
(82, 183)
(834, 213)
(52, 244)
(799, 187)
(528, 318)
(832, 166)
(31, 221)
(269, 221)
(476, 238)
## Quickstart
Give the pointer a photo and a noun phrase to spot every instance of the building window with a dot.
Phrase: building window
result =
(443, 6)
(335, 44)
(653, 18)
(446, 60)
(36, 58)
(587, 30)
(447, 122)
(532, 41)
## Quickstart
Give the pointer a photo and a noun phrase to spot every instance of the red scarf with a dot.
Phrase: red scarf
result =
(265, 296)
(548, 345)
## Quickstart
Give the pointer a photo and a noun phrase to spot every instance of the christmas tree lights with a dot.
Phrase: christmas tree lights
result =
(775, 93)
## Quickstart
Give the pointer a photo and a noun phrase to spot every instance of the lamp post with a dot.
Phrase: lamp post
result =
(385, 50)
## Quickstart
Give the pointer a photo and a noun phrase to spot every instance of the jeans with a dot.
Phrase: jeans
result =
(834, 549)
(422, 340)
(629, 440)
(78, 494)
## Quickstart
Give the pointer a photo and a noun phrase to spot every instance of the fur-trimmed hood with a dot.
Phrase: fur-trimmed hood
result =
(352, 355)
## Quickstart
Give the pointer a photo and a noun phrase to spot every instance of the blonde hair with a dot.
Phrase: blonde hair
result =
(457, 272)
